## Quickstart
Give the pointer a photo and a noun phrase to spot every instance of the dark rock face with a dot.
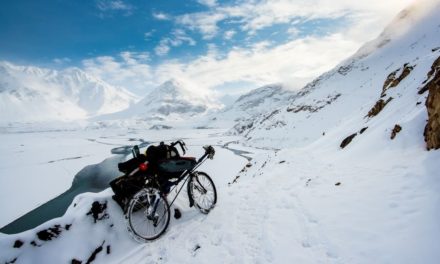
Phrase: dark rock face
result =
(18, 243)
(50, 233)
(95, 253)
(316, 107)
(363, 130)
(98, 211)
(393, 81)
(396, 129)
(432, 128)
(378, 107)
(434, 69)
(347, 140)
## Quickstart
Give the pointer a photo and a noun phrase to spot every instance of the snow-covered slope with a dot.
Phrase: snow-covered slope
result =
(37, 94)
(172, 101)
(389, 69)
(252, 105)
(374, 201)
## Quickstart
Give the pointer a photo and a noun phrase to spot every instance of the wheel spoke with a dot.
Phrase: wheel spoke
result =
(144, 222)
(203, 192)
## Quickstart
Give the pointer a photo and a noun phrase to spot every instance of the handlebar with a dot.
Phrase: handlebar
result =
(181, 144)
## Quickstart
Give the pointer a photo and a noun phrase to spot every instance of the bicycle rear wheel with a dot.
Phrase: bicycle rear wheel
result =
(148, 214)
(202, 191)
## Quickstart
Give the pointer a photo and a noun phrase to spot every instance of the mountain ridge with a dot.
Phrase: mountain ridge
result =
(172, 101)
(30, 93)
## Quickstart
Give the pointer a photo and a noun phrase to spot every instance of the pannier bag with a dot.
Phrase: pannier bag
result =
(131, 164)
(173, 168)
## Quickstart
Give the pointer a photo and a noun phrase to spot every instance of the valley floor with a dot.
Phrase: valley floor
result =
(298, 205)
(37, 165)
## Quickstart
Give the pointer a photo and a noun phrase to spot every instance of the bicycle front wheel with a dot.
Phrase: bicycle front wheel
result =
(148, 214)
(202, 191)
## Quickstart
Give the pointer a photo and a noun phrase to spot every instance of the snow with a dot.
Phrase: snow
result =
(121, 241)
(338, 101)
(287, 191)
(173, 101)
(29, 94)
(278, 210)
(43, 164)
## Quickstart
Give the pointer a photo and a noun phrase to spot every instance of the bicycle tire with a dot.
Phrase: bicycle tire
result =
(202, 191)
(144, 222)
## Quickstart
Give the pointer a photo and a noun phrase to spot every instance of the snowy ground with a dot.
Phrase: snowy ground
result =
(298, 198)
(42, 164)
(298, 205)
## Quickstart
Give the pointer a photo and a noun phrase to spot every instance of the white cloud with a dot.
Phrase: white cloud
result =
(205, 22)
(178, 37)
(161, 16)
(293, 32)
(61, 60)
(114, 5)
(209, 3)
(149, 34)
(104, 5)
(129, 70)
(255, 15)
(133, 58)
(163, 48)
(295, 63)
(229, 34)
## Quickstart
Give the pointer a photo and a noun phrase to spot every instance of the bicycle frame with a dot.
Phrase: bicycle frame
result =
(150, 202)
(184, 177)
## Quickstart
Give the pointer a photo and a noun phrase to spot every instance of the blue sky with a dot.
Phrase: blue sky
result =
(220, 45)
(40, 31)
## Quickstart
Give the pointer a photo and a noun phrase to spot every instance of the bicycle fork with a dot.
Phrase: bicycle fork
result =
(151, 210)
(198, 186)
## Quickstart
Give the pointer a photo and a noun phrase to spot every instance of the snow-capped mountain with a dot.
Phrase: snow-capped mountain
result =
(252, 105)
(36, 94)
(175, 100)
(376, 88)
(352, 183)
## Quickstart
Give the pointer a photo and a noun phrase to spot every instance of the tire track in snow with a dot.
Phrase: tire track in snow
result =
(250, 216)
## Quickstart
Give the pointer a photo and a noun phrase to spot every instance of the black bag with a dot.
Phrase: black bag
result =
(131, 164)
(161, 152)
(125, 187)
(174, 167)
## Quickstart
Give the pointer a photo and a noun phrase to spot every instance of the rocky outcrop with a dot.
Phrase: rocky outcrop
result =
(397, 128)
(434, 68)
(318, 105)
(393, 81)
(347, 140)
(432, 128)
(379, 106)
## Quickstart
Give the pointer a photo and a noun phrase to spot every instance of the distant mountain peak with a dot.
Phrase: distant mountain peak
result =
(30, 93)
(173, 100)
